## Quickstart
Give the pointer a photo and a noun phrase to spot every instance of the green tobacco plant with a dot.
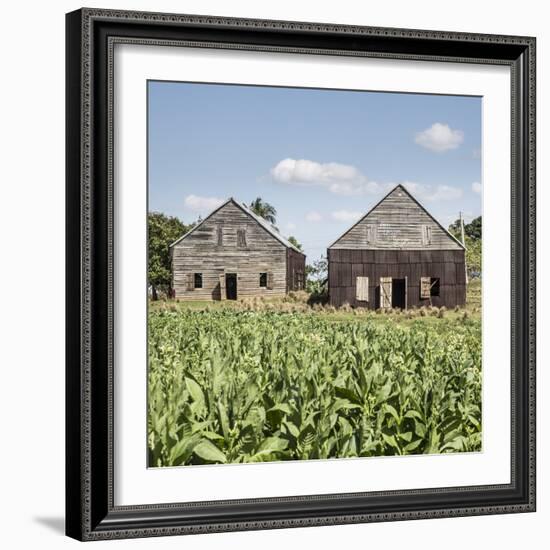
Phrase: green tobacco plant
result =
(231, 386)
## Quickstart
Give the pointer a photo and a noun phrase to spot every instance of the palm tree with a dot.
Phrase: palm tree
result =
(264, 210)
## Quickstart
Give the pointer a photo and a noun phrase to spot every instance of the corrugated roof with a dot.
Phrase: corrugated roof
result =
(264, 223)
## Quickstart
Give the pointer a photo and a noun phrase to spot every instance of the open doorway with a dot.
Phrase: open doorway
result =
(231, 286)
(399, 293)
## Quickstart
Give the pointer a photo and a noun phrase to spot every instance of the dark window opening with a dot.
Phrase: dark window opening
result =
(399, 293)
(263, 279)
(231, 286)
(434, 287)
(198, 280)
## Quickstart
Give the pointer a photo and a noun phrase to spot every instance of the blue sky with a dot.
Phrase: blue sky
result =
(321, 157)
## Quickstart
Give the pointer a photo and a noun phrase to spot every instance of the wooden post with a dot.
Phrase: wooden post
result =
(222, 287)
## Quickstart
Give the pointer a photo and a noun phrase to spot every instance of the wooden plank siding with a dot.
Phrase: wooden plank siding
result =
(401, 223)
(397, 239)
(342, 277)
(295, 270)
(231, 241)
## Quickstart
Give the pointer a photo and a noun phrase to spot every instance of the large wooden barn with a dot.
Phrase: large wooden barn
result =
(234, 253)
(397, 256)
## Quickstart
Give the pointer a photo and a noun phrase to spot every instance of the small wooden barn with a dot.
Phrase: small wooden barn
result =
(397, 255)
(234, 253)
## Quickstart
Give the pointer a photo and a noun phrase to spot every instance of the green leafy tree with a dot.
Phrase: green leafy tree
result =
(294, 241)
(316, 278)
(454, 230)
(264, 210)
(162, 231)
(473, 229)
(318, 269)
(472, 236)
(473, 255)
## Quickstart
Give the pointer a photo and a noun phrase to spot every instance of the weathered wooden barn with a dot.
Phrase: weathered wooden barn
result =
(398, 256)
(234, 253)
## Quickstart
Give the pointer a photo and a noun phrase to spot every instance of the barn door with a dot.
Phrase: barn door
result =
(425, 287)
(231, 286)
(222, 287)
(406, 292)
(190, 281)
(362, 289)
(385, 292)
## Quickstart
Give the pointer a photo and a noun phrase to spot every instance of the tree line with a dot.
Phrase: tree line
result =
(473, 242)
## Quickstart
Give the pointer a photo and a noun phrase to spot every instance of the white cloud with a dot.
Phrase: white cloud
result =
(341, 179)
(290, 226)
(439, 138)
(313, 217)
(432, 193)
(346, 215)
(476, 187)
(445, 193)
(202, 205)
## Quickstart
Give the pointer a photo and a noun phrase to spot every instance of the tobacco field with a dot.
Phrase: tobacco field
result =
(230, 386)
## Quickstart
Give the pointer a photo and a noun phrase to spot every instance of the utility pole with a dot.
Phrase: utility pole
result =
(464, 244)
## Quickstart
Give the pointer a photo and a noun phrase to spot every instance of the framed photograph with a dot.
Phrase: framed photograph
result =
(300, 274)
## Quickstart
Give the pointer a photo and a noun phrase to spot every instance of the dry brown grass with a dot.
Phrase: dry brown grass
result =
(298, 302)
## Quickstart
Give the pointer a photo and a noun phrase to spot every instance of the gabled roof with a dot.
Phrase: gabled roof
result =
(264, 223)
(402, 188)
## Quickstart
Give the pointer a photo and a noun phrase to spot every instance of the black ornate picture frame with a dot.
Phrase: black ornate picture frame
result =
(90, 509)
